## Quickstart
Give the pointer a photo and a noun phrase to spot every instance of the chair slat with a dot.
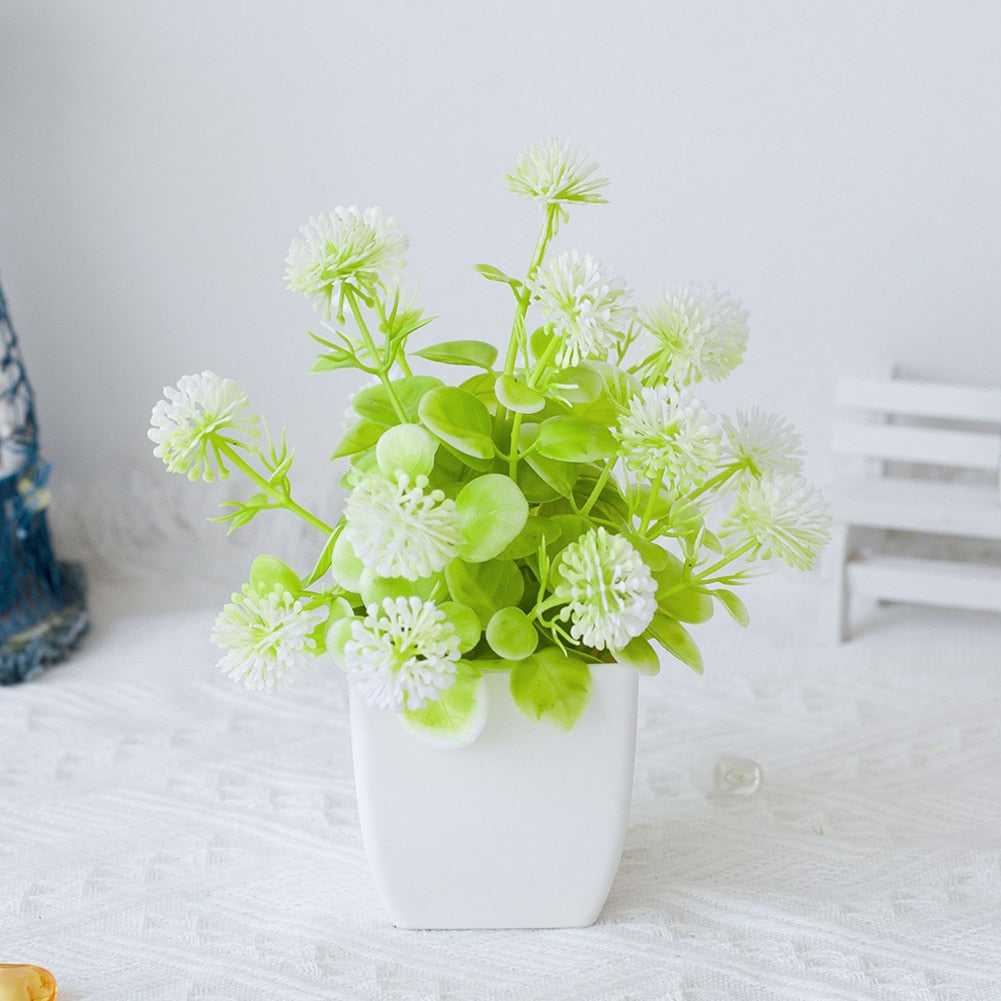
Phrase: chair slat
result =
(920, 399)
(906, 423)
(933, 446)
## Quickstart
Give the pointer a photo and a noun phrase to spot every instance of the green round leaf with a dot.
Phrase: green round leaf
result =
(457, 718)
(551, 686)
(374, 589)
(406, 448)
(560, 476)
(571, 526)
(577, 384)
(511, 634)
(465, 622)
(534, 487)
(481, 386)
(654, 556)
(268, 572)
(537, 530)
(338, 635)
(345, 565)
(375, 405)
(340, 609)
(459, 419)
(485, 587)
(515, 395)
(570, 439)
(492, 511)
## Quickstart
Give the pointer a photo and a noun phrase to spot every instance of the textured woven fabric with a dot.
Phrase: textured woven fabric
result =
(165, 834)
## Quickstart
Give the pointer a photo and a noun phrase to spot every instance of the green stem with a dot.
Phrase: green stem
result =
(598, 487)
(516, 422)
(513, 464)
(728, 558)
(651, 502)
(352, 301)
(717, 481)
(518, 332)
(543, 606)
(370, 344)
(284, 500)
(540, 365)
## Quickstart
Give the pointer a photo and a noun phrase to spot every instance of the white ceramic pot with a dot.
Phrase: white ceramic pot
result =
(521, 829)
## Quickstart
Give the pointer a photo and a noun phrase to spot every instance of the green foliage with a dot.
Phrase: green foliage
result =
(551, 686)
(571, 439)
(732, 603)
(559, 476)
(510, 480)
(511, 634)
(676, 640)
(492, 512)
(459, 419)
(477, 353)
(515, 396)
(496, 275)
(375, 589)
(457, 718)
(406, 448)
(360, 436)
(640, 655)
(464, 621)
(485, 587)
(345, 565)
(268, 572)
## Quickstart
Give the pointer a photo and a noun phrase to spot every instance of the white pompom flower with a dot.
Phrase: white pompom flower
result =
(345, 247)
(583, 305)
(402, 655)
(554, 173)
(268, 636)
(762, 443)
(698, 332)
(608, 588)
(190, 423)
(669, 434)
(400, 528)
(783, 516)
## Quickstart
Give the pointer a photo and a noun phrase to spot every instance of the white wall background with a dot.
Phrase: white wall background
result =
(835, 165)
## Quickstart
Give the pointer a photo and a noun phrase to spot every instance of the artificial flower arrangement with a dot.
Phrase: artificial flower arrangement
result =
(562, 505)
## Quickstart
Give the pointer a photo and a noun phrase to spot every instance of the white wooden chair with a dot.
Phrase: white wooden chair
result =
(927, 459)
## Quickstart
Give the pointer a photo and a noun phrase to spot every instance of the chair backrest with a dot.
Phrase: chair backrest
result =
(925, 423)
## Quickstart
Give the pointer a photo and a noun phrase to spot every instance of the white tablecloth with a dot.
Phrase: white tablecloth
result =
(165, 834)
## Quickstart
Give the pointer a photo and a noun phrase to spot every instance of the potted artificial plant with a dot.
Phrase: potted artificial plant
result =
(526, 531)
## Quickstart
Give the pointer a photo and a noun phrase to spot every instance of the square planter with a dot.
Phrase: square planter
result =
(521, 829)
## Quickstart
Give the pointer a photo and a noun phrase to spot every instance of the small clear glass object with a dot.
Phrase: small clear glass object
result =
(733, 776)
